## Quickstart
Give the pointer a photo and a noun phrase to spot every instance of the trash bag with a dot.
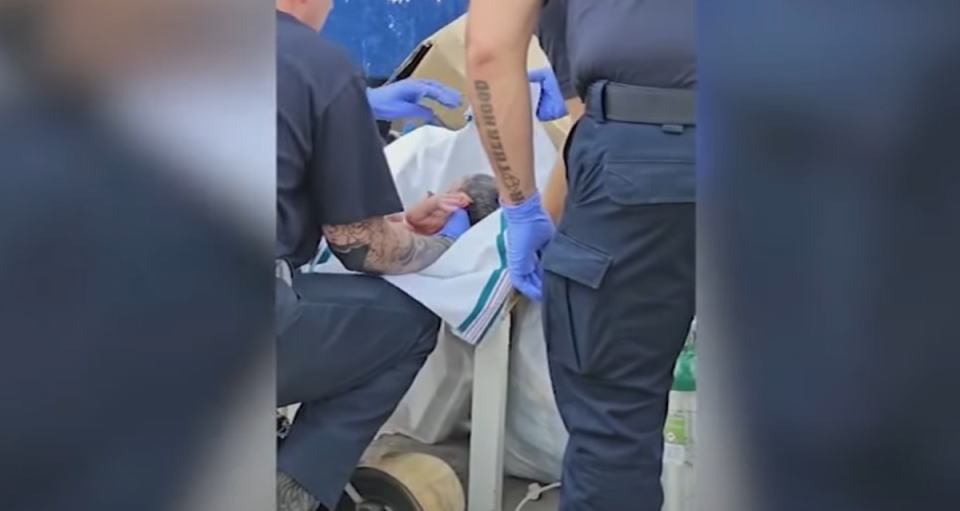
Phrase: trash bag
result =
(535, 434)
(439, 398)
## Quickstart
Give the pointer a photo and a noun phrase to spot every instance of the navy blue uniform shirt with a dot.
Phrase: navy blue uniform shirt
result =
(331, 169)
(638, 42)
(552, 32)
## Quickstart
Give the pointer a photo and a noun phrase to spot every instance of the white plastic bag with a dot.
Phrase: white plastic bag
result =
(439, 398)
(535, 435)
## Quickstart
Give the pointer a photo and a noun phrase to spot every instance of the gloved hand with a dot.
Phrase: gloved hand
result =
(457, 223)
(551, 105)
(401, 100)
(430, 214)
(528, 231)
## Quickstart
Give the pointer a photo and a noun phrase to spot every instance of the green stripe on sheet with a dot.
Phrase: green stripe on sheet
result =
(321, 258)
(493, 319)
(491, 282)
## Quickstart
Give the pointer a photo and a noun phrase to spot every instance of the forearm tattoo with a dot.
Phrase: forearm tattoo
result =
(378, 246)
(293, 497)
(488, 122)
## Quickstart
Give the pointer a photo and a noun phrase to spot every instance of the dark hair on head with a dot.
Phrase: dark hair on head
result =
(482, 190)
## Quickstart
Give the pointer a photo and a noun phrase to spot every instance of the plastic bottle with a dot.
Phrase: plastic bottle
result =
(679, 453)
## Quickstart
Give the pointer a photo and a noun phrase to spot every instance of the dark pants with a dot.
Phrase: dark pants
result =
(618, 301)
(348, 350)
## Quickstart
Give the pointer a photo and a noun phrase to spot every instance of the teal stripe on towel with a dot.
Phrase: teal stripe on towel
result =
(321, 258)
(492, 321)
(491, 282)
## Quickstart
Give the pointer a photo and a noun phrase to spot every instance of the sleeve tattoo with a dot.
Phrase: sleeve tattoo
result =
(488, 122)
(378, 246)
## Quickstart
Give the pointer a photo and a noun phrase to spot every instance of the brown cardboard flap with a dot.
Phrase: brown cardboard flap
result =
(444, 60)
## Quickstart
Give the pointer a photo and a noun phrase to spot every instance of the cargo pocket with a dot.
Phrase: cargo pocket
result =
(648, 182)
(573, 275)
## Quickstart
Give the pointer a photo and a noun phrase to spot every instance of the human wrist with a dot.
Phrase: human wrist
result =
(530, 206)
(445, 238)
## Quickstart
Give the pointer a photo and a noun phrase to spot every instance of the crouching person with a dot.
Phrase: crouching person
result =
(348, 346)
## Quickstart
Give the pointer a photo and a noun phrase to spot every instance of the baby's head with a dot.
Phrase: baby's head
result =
(484, 197)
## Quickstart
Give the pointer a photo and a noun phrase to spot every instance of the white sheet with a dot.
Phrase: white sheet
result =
(468, 285)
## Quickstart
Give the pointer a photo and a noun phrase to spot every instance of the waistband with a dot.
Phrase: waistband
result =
(619, 102)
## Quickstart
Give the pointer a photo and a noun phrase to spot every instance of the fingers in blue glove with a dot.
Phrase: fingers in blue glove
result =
(551, 105)
(536, 293)
(420, 112)
(540, 74)
(529, 285)
(443, 94)
(457, 223)
(529, 229)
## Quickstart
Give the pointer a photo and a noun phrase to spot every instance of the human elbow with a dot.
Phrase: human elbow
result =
(485, 52)
(482, 54)
(353, 260)
(354, 244)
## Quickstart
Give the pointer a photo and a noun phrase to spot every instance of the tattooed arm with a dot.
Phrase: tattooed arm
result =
(379, 246)
(498, 37)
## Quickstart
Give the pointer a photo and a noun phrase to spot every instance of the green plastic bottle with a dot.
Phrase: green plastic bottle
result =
(684, 373)
(680, 432)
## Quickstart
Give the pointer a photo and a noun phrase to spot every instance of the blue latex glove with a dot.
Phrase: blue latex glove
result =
(457, 223)
(551, 105)
(528, 231)
(401, 100)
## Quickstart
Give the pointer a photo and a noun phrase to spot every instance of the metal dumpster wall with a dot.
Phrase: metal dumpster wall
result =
(379, 34)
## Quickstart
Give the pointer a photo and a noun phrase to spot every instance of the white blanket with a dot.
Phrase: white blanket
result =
(468, 286)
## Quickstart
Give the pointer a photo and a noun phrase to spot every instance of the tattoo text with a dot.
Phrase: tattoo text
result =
(500, 163)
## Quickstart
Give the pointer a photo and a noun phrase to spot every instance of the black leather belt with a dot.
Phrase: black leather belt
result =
(646, 105)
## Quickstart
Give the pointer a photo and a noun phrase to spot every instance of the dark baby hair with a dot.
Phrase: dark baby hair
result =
(482, 190)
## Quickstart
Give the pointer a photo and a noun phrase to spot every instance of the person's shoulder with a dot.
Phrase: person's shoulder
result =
(307, 48)
(320, 63)
(331, 59)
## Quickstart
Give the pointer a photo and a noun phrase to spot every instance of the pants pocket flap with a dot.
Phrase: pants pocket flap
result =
(638, 183)
(576, 261)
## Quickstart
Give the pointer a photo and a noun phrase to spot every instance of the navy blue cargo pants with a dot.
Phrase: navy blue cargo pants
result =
(348, 349)
(619, 296)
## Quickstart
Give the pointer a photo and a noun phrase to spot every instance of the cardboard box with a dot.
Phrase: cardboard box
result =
(442, 57)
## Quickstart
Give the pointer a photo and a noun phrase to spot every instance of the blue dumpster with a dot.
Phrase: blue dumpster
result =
(379, 34)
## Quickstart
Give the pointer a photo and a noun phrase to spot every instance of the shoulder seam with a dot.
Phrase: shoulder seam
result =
(304, 73)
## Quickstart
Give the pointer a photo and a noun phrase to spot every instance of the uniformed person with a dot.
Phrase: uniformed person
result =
(617, 277)
(349, 346)
(552, 33)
